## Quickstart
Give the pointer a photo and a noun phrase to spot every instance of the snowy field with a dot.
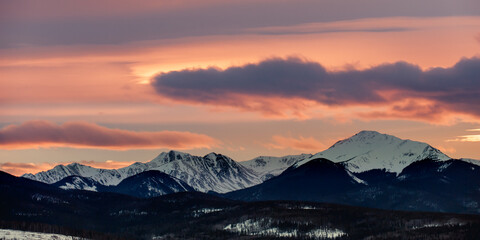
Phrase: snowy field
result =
(7, 234)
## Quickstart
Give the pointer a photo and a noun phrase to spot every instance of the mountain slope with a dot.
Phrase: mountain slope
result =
(369, 150)
(151, 184)
(79, 183)
(316, 180)
(267, 167)
(213, 172)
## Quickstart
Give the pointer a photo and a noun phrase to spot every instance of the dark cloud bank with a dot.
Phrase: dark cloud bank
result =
(455, 88)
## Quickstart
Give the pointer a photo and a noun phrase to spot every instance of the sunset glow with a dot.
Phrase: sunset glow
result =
(110, 83)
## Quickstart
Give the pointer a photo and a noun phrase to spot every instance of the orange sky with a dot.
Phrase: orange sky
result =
(64, 63)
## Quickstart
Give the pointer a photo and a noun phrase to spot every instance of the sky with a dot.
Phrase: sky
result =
(109, 83)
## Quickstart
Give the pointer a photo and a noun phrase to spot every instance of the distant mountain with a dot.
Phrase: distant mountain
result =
(315, 180)
(368, 154)
(267, 167)
(369, 150)
(213, 172)
(107, 177)
(151, 184)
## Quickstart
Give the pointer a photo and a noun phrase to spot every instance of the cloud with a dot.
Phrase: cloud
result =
(109, 164)
(277, 85)
(446, 149)
(301, 143)
(467, 138)
(34, 134)
(22, 168)
(94, 22)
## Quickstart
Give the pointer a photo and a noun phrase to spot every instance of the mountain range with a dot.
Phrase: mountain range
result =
(30, 205)
(212, 172)
(368, 169)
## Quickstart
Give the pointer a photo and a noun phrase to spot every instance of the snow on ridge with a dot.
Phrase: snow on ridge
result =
(268, 166)
(78, 183)
(472, 161)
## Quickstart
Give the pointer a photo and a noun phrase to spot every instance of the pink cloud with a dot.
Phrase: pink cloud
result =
(35, 134)
(301, 143)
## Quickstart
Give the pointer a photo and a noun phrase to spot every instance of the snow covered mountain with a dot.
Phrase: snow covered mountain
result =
(213, 172)
(267, 167)
(107, 177)
(368, 150)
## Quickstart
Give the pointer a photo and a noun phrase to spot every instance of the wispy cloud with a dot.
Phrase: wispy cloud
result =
(468, 138)
(35, 134)
(300, 143)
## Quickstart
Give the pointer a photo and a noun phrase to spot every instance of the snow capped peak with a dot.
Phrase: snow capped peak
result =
(213, 172)
(367, 137)
(75, 164)
(166, 157)
(213, 155)
(368, 150)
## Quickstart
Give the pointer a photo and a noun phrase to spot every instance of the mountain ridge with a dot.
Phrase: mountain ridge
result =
(212, 172)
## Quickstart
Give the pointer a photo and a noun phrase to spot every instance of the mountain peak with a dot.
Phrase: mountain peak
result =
(166, 157)
(369, 136)
(212, 155)
(77, 165)
(369, 132)
(368, 150)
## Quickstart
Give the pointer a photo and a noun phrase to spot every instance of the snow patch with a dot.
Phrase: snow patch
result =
(8, 234)
(203, 211)
(444, 167)
(358, 180)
